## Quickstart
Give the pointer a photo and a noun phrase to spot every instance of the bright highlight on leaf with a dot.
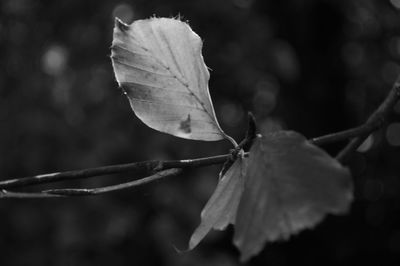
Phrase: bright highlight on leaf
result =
(220, 210)
(290, 185)
(158, 63)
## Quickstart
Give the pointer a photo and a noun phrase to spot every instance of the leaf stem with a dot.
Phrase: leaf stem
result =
(245, 144)
(232, 140)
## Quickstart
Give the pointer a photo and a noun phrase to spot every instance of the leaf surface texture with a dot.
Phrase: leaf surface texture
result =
(290, 185)
(159, 65)
(220, 210)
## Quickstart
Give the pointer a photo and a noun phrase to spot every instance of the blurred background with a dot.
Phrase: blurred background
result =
(315, 66)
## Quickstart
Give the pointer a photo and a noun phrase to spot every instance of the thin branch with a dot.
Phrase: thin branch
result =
(358, 135)
(150, 166)
(158, 165)
(67, 192)
(374, 122)
(25, 195)
(341, 136)
(118, 187)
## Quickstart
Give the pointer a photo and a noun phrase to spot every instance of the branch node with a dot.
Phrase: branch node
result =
(244, 145)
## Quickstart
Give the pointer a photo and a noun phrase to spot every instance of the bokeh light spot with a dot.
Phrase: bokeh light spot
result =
(54, 60)
(265, 97)
(286, 61)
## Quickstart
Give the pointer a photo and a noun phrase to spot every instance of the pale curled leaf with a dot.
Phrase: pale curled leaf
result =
(290, 186)
(220, 210)
(158, 63)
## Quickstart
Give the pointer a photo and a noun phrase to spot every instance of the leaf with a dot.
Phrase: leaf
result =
(220, 210)
(290, 186)
(159, 65)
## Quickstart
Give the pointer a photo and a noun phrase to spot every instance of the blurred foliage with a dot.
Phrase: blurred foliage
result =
(314, 66)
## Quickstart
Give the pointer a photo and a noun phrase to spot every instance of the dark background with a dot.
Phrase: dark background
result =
(315, 66)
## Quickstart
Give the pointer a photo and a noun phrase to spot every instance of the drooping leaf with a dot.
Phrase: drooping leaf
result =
(220, 210)
(159, 65)
(290, 185)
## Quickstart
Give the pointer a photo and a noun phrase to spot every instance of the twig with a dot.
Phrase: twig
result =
(155, 165)
(374, 122)
(340, 136)
(25, 195)
(118, 187)
(150, 166)
(57, 193)
(358, 135)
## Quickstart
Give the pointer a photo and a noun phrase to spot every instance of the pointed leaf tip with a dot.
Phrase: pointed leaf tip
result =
(158, 63)
(220, 210)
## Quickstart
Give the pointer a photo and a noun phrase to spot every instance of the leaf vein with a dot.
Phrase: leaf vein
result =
(185, 84)
(142, 68)
(165, 103)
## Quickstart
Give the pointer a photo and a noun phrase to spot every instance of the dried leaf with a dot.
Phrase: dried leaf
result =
(158, 63)
(290, 186)
(220, 210)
